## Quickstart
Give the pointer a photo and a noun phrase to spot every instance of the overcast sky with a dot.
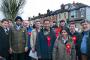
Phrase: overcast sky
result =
(33, 7)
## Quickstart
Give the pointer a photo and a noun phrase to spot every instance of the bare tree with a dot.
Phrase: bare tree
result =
(11, 8)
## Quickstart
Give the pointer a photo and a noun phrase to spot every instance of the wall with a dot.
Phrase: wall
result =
(88, 13)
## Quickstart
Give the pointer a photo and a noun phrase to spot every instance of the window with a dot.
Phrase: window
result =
(82, 11)
(73, 13)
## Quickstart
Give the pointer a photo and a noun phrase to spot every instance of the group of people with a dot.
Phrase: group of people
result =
(49, 41)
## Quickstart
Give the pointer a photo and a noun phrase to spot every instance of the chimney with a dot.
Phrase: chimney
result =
(74, 2)
(62, 6)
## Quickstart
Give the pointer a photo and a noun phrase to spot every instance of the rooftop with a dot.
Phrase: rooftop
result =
(64, 8)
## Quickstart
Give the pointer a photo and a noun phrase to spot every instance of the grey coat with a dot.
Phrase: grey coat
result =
(59, 51)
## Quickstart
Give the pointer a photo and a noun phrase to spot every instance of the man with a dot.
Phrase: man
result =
(26, 25)
(74, 34)
(4, 39)
(10, 23)
(53, 25)
(84, 44)
(63, 25)
(45, 41)
(18, 42)
(34, 34)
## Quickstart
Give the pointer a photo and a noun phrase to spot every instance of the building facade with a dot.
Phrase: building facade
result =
(67, 12)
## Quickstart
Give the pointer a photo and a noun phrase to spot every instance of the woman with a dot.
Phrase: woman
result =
(64, 48)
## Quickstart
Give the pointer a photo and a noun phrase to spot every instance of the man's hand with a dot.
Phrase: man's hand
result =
(33, 49)
(10, 50)
(26, 49)
(0, 56)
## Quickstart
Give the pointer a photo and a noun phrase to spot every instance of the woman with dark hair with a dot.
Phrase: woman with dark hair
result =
(64, 48)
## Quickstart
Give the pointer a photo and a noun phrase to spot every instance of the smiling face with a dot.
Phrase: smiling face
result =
(10, 23)
(72, 27)
(85, 25)
(64, 33)
(5, 24)
(37, 24)
(46, 24)
(26, 23)
(62, 23)
(18, 22)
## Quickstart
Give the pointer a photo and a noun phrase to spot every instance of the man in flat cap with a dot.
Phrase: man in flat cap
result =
(63, 25)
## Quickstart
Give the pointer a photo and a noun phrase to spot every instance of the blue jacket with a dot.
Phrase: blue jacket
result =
(29, 30)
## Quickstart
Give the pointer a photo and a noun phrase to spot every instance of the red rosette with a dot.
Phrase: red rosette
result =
(49, 39)
(57, 34)
(29, 33)
(74, 38)
(68, 48)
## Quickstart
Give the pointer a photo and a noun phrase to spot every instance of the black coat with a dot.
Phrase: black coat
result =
(4, 43)
(42, 46)
(78, 39)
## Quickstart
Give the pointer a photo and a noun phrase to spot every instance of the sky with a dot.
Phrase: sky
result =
(33, 7)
